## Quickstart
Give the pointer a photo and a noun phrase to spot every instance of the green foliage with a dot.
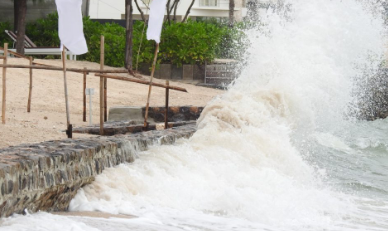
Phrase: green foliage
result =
(181, 43)
(190, 42)
(114, 37)
(4, 38)
(44, 31)
(147, 47)
(234, 42)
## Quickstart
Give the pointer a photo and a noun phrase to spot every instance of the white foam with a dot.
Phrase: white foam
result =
(242, 169)
(242, 163)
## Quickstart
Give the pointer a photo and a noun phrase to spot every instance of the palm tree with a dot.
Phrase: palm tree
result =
(231, 13)
(20, 11)
(129, 34)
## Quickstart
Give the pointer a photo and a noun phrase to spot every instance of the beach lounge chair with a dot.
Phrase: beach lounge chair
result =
(31, 48)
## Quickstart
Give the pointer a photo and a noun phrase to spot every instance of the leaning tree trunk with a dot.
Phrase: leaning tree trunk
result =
(231, 13)
(168, 11)
(87, 8)
(21, 24)
(175, 9)
(129, 34)
(141, 12)
(188, 11)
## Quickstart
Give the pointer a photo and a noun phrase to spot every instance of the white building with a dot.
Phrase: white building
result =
(115, 9)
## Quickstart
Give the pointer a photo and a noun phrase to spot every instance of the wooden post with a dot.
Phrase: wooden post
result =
(150, 87)
(84, 97)
(65, 85)
(167, 98)
(69, 131)
(102, 87)
(105, 98)
(4, 83)
(30, 89)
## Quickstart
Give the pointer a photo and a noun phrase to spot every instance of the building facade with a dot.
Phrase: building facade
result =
(115, 9)
(35, 9)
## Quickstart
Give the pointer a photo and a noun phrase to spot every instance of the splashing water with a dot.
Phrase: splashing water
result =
(275, 152)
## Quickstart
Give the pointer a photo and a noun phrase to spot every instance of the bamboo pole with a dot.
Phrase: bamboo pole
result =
(102, 86)
(24, 57)
(4, 106)
(30, 88)
(141, 82)
(105, 99)
(95, 71)
(150, 86)
(66, 95)
(15, 54)
(167, 98)
(52, 68)
(84, 96)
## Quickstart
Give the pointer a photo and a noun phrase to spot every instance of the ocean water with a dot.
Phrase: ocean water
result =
(278, 151)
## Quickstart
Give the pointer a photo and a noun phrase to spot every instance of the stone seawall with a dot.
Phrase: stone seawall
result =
(46, 176)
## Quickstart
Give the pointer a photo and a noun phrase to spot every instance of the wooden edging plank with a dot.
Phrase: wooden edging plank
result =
(53, 68)
(142, 82)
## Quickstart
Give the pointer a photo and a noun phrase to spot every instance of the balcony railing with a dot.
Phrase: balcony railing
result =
(209, 3)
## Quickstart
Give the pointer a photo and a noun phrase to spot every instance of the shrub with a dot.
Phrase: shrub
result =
(44, 31)
(147, 50)
(114, 37)
(4, 38)
(234, 42)
(190, 42)
(181, 43)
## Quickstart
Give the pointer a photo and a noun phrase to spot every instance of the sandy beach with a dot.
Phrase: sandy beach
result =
(47, 119)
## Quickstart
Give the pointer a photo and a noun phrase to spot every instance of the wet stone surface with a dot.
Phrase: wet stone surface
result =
(175, 114)
(46, 176)
(114, 128)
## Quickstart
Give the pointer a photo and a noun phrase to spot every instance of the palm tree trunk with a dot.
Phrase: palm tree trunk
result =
(129, 34)
(21, 24)
(231, 13)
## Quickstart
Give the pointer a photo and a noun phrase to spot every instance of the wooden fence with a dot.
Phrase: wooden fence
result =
(101, 73)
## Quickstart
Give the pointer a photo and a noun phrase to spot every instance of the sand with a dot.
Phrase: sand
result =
(47, 119)
(94, 214)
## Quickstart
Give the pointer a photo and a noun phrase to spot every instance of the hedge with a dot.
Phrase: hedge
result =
(181, 43)
(4, 38)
